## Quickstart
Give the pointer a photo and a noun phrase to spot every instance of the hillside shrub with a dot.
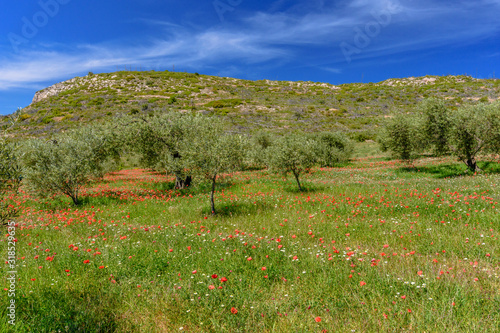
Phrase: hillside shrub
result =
(224, 103)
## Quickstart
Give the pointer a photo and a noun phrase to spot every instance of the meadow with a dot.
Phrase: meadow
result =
(370, 246)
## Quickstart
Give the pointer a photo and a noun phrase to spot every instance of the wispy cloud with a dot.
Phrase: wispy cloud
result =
(261, 38)
(331, 70)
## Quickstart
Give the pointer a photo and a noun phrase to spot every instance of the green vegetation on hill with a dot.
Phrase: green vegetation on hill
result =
(277, 106)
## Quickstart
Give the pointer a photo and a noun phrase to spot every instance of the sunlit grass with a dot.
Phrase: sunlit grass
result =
(369, 246)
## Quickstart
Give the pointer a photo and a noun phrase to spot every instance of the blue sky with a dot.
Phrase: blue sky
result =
(338, 41)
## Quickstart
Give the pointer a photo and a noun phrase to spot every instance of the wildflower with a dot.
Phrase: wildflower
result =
(362, 283)
(234, 311)
(317, 319)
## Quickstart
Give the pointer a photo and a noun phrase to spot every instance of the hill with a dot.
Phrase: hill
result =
(279, 106)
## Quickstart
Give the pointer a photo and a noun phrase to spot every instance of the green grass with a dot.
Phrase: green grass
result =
(425, 233)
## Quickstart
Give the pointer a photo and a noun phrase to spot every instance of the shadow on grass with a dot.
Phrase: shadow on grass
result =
(114, 197)
(451, 170)
(63, 202)
(307, 187)
(236, 209)
(197, 188)
(89, 200)
(89, 310)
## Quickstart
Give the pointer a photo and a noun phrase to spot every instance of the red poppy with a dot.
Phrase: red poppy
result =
(234, 311)
(362, 283)
(317, 319)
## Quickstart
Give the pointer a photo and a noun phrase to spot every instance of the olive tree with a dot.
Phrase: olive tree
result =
(66, 163)
(435, 125)
(209, 151)
(403, 136)
(332, 148)
(475, 129)
(293, 153)
(258, 146)
(10, 170)
(158, 141)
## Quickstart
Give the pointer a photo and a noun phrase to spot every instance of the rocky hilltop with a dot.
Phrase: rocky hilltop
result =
(356, 108)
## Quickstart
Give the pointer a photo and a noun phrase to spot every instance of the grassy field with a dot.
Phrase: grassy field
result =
(371, 246)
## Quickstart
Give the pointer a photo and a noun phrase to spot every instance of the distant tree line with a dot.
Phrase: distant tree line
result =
(193, 148)
(196, 148)
(467, 133)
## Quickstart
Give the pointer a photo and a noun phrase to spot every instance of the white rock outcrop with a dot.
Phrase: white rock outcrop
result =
(52, 90)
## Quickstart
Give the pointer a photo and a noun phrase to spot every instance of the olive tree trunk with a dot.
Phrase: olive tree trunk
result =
(212, 203)
(296, 174)
(472, 164)
(181, 183)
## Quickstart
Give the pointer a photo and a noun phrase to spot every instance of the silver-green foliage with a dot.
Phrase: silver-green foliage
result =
(209, 151)
(293, 153)
(187, 145)
(258, 148)
(474, 130)
(66, 163)
(10, 172)
(158, 141)
(333, 148)
(436, 125)
(403, 137)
